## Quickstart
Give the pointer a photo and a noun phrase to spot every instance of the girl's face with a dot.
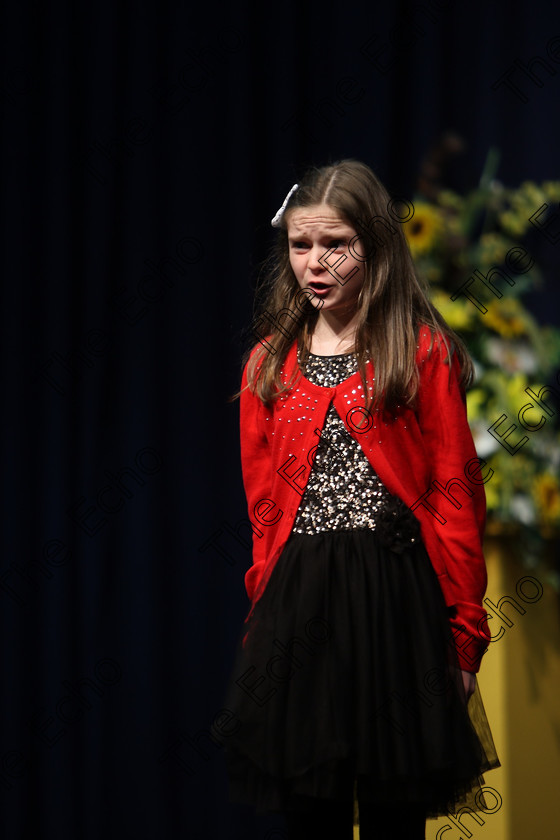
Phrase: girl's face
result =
(313, 233)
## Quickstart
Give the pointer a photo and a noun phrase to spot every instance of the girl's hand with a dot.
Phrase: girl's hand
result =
(469, 683)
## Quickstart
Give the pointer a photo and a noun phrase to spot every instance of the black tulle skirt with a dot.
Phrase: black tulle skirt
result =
(346, 686)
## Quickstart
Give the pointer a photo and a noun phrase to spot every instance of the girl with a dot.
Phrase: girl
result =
(357, 660)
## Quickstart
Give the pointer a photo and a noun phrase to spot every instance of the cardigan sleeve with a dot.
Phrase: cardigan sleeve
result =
(455, 499)
(256, 465)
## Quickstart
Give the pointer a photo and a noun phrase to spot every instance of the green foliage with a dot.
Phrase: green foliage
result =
(450, 237)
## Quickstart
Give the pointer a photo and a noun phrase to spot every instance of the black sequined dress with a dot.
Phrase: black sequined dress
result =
(347, 685)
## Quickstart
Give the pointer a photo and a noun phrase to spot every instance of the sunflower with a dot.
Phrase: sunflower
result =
(513, 223)
(493, 491)
(547, 497)
(506, 317)
(476, 399)
(552, 190)
(459, 314)
(423, 230)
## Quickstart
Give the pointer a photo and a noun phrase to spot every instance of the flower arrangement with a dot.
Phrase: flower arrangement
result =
(450, 237)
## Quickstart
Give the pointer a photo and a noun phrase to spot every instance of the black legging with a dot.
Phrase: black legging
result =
(334, 819)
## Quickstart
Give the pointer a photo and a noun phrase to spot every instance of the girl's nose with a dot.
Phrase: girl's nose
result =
(315, 255)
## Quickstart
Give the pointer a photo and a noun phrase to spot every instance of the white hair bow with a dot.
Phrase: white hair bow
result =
(276, 221)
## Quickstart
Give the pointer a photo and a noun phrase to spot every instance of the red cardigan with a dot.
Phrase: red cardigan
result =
(425, 456)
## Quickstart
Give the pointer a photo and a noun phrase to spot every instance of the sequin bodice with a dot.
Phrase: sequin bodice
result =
(343, 491)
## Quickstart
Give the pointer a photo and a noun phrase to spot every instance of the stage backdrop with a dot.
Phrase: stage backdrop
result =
(145, 147)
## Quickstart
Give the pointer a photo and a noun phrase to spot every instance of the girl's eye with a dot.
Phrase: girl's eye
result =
(334, 243)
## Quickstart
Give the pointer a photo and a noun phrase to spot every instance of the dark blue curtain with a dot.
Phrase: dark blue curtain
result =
(145, 147)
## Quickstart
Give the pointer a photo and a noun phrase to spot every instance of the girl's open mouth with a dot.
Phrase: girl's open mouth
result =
(320, 288)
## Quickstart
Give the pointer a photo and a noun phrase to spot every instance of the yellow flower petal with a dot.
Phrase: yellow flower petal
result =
(546, 491)
(423, 230)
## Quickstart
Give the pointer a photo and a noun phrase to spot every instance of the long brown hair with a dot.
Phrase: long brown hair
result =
(393, 302)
